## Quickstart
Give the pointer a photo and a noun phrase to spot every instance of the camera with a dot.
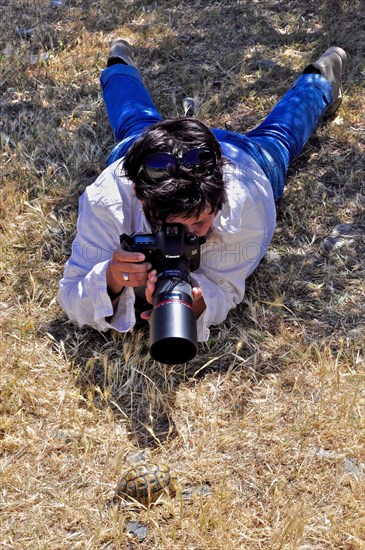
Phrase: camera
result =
(174, 254)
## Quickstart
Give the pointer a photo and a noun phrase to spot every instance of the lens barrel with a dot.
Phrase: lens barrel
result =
(173, 332)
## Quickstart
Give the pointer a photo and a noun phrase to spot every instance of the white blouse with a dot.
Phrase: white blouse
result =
(240, 236)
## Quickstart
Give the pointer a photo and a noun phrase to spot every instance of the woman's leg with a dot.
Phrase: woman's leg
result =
(285, 131)
(276, 142)
(129, 106)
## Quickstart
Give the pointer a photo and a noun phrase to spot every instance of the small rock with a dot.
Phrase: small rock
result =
(348, 229)
(119, 430)
(138, 457)
(266, 64)
(137, 529)
(327, 522)
(62, 435)
(8, 51)
(201, 490)
(352, 468)
(273, 257)
(37, 58)
(341, 235)
(25, 33)
(322, 453)
(189, 106)
(185, 37)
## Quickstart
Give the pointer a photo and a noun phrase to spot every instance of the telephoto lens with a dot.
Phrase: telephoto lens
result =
(173, 332)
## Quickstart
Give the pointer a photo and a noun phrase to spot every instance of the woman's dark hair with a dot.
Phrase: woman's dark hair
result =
(182, 193)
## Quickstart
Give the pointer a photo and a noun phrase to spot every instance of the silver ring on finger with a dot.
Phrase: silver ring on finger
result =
(126, 277)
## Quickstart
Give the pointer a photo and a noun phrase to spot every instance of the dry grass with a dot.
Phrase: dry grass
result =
(266, 426)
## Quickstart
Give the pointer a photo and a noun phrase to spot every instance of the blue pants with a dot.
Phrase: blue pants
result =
(273, 144)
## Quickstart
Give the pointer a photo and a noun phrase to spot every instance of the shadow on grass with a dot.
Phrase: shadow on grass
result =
(117, 371)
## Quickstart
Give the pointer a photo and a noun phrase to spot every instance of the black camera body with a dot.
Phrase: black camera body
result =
(174, 254)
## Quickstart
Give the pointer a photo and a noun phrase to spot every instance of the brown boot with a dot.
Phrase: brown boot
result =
(331, 66)
(120, 52)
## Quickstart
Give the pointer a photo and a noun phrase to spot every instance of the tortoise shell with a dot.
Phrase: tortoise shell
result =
(145, 482)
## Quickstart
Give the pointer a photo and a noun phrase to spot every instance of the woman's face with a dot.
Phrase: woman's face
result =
(199, 226)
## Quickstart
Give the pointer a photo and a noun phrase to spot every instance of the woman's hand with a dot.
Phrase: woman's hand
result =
(198, 300)
(126, 269)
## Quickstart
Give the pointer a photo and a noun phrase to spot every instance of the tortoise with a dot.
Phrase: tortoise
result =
(145, 483)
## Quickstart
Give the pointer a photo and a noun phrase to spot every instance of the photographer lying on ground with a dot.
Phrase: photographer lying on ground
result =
(218, 184)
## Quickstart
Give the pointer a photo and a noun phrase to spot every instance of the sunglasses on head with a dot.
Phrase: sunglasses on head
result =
(199, 160)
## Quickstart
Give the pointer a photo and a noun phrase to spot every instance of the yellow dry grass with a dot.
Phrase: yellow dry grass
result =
(265, 429)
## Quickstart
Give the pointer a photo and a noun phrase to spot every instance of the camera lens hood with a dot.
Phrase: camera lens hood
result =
(173, 332)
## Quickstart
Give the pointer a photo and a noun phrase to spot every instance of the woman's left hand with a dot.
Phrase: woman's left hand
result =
(198, 300)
